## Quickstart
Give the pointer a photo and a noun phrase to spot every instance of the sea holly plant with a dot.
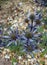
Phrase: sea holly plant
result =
(35, 19)
(32, 36)
(29, 46)
(32, 40)
(11, 37)
(29, 38)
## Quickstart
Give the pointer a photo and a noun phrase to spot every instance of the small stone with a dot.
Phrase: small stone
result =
(19, 57)
(20, 4)
(28, 56)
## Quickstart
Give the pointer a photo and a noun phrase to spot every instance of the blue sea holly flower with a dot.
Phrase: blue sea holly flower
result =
(30, 43)
(34, 22)
(11, 38)
(29, 46)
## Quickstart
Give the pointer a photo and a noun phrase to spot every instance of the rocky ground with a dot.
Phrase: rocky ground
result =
(12, 16)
